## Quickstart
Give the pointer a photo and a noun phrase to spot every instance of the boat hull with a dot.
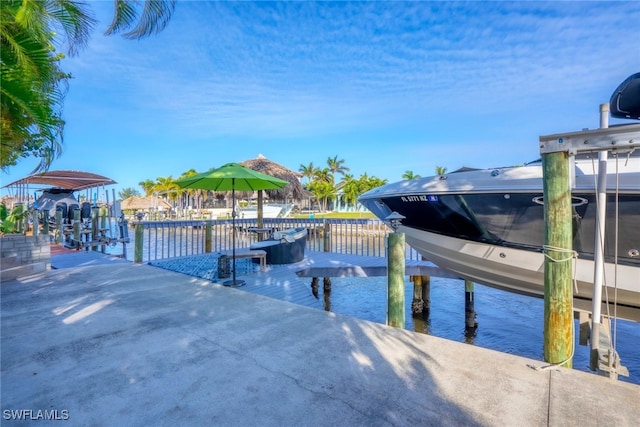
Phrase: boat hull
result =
(522, 271)
(268, 211)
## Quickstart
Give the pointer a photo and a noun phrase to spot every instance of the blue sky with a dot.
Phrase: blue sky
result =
(387, 87)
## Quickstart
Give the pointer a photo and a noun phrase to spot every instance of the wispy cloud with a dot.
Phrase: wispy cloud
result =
(433, 73)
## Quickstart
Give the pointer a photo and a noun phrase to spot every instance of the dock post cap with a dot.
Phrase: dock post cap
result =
(394, 218)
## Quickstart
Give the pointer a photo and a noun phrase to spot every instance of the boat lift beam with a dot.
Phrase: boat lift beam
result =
(624, 138)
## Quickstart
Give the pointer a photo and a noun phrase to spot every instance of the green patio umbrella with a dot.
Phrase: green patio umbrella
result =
(232, 177)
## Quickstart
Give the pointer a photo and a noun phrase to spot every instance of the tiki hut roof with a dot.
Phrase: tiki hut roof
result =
(149, 202)
(294, 190)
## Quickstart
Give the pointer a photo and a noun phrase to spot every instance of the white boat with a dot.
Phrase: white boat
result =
(269, 210)
(488, 225)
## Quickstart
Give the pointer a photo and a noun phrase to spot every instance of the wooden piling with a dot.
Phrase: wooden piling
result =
(139, 239)
(103, 212)
(34, 220)
(326, 236)
(260, 211)
(59, 230)
(77, 235)
(208, 235)
(426, 294)
(45, 221)
(417, 304)
(395, 271)
(314, 287)
(558, 291)
(469, 306)
(95, 212)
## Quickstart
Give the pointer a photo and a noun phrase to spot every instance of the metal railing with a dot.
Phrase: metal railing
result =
(155, 240)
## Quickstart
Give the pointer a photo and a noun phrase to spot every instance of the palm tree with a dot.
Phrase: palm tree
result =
(409, 175)
(307, 171)
(322, 186)
(147, 186)
(128, 192)
(32, 85)
(335, 166)
(167, 186)
(440, 170)
(350, 189)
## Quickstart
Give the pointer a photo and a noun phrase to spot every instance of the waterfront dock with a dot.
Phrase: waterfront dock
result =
(108, 342)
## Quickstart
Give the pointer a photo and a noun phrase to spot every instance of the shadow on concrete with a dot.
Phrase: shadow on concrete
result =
(127, 344)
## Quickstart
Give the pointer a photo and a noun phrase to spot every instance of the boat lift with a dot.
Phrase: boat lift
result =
(621, 140)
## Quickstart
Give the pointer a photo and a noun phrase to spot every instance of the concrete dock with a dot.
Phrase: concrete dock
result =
(108, 343)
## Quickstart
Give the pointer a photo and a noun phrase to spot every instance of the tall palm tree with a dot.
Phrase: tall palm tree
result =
(307, 171)
(336, 166)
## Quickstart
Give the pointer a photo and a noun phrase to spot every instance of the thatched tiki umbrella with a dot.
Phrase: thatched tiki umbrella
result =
(148, 202)
(294, 190)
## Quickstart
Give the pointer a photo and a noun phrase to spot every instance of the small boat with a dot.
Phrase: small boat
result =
(58, 192)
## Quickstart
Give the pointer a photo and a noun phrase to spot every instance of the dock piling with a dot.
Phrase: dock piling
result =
(396, 276)
(45, 221)
(558, 290)
(139, 239)
(469, 306)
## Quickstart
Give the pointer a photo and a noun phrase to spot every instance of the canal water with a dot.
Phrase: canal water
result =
(506, 322)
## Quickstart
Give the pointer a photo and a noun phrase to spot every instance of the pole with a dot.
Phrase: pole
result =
(233, 228)
(260, 209)
(45, 221)
(598, 269)
(94, 225)
(558, 292)
(233, 281)
(36, 223)
(59, 230)
(469, 306)
(138, 239)
(395, 271)
(208, 235)
(426, 295)
(77, 235)
(417, 305)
